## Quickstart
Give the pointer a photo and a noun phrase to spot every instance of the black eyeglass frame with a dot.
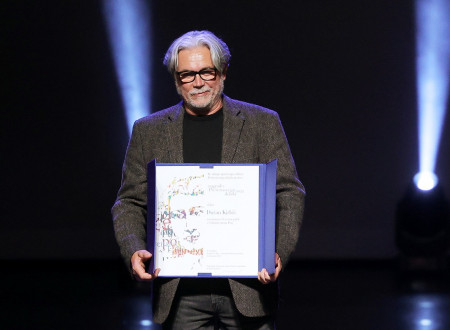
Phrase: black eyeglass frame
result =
(195, 73)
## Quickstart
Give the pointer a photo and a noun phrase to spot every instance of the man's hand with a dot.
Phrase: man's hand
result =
(138, 260)
(263, 275)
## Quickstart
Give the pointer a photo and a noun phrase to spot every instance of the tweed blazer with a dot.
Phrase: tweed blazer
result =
(251, 134)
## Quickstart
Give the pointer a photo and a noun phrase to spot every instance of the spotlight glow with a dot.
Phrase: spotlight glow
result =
(146, 323)
(425, 180)
(433, 64)
(425, 322)
(425, 312)
(129, 35)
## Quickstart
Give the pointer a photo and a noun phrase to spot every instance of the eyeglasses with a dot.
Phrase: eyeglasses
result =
(189, 76)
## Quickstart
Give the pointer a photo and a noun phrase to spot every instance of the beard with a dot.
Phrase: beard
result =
(204, 104)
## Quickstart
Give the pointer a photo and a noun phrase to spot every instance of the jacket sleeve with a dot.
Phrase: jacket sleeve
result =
(290, 191)
(130, 208)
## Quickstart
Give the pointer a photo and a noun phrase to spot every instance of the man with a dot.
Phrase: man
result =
(207, 127)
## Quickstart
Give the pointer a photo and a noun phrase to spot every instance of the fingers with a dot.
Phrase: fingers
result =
(138, 260)
(144, 255)
(264, 277)
(278, 264)
(141, 275)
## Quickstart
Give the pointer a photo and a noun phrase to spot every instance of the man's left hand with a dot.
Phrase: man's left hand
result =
(265, 278)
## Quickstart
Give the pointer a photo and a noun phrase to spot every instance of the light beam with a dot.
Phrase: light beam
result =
(129, 35)
(432, 64)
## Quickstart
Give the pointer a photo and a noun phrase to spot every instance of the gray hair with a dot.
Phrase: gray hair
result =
(220, 53)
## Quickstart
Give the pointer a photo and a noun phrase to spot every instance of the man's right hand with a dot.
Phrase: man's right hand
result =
(138, 260)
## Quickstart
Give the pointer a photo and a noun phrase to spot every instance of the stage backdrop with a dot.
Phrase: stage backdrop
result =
(341, 74)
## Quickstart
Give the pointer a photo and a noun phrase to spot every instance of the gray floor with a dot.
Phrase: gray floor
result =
(316, 295)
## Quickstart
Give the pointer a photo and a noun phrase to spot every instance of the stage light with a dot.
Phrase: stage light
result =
(129, 35)
(422, 218)
(422, 225)
(425, 312)
(425, 180)
(425, 322)
(146, 323)
(433, 71)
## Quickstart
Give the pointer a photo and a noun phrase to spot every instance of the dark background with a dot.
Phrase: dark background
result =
(341, 74)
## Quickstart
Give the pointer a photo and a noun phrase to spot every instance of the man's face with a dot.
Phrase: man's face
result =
(200, 97)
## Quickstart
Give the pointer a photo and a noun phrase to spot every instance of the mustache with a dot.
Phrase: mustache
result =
(202, 90)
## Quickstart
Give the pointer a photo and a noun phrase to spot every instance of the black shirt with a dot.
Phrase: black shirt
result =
(202, 138)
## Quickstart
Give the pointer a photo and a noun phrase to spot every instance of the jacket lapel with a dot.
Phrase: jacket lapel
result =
(175, 135)
(233, 122)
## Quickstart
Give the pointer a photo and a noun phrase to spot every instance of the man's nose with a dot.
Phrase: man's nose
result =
(198, 82)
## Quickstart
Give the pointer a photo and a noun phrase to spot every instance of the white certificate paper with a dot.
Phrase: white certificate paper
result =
(207, 220)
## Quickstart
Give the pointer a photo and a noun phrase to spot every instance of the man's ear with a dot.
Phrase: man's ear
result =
(176, 79)
(224, 74)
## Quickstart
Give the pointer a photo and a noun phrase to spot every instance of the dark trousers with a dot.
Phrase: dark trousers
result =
(211, 311)
(208, 304)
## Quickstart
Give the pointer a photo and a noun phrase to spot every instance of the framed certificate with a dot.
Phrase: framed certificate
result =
(211, 220)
